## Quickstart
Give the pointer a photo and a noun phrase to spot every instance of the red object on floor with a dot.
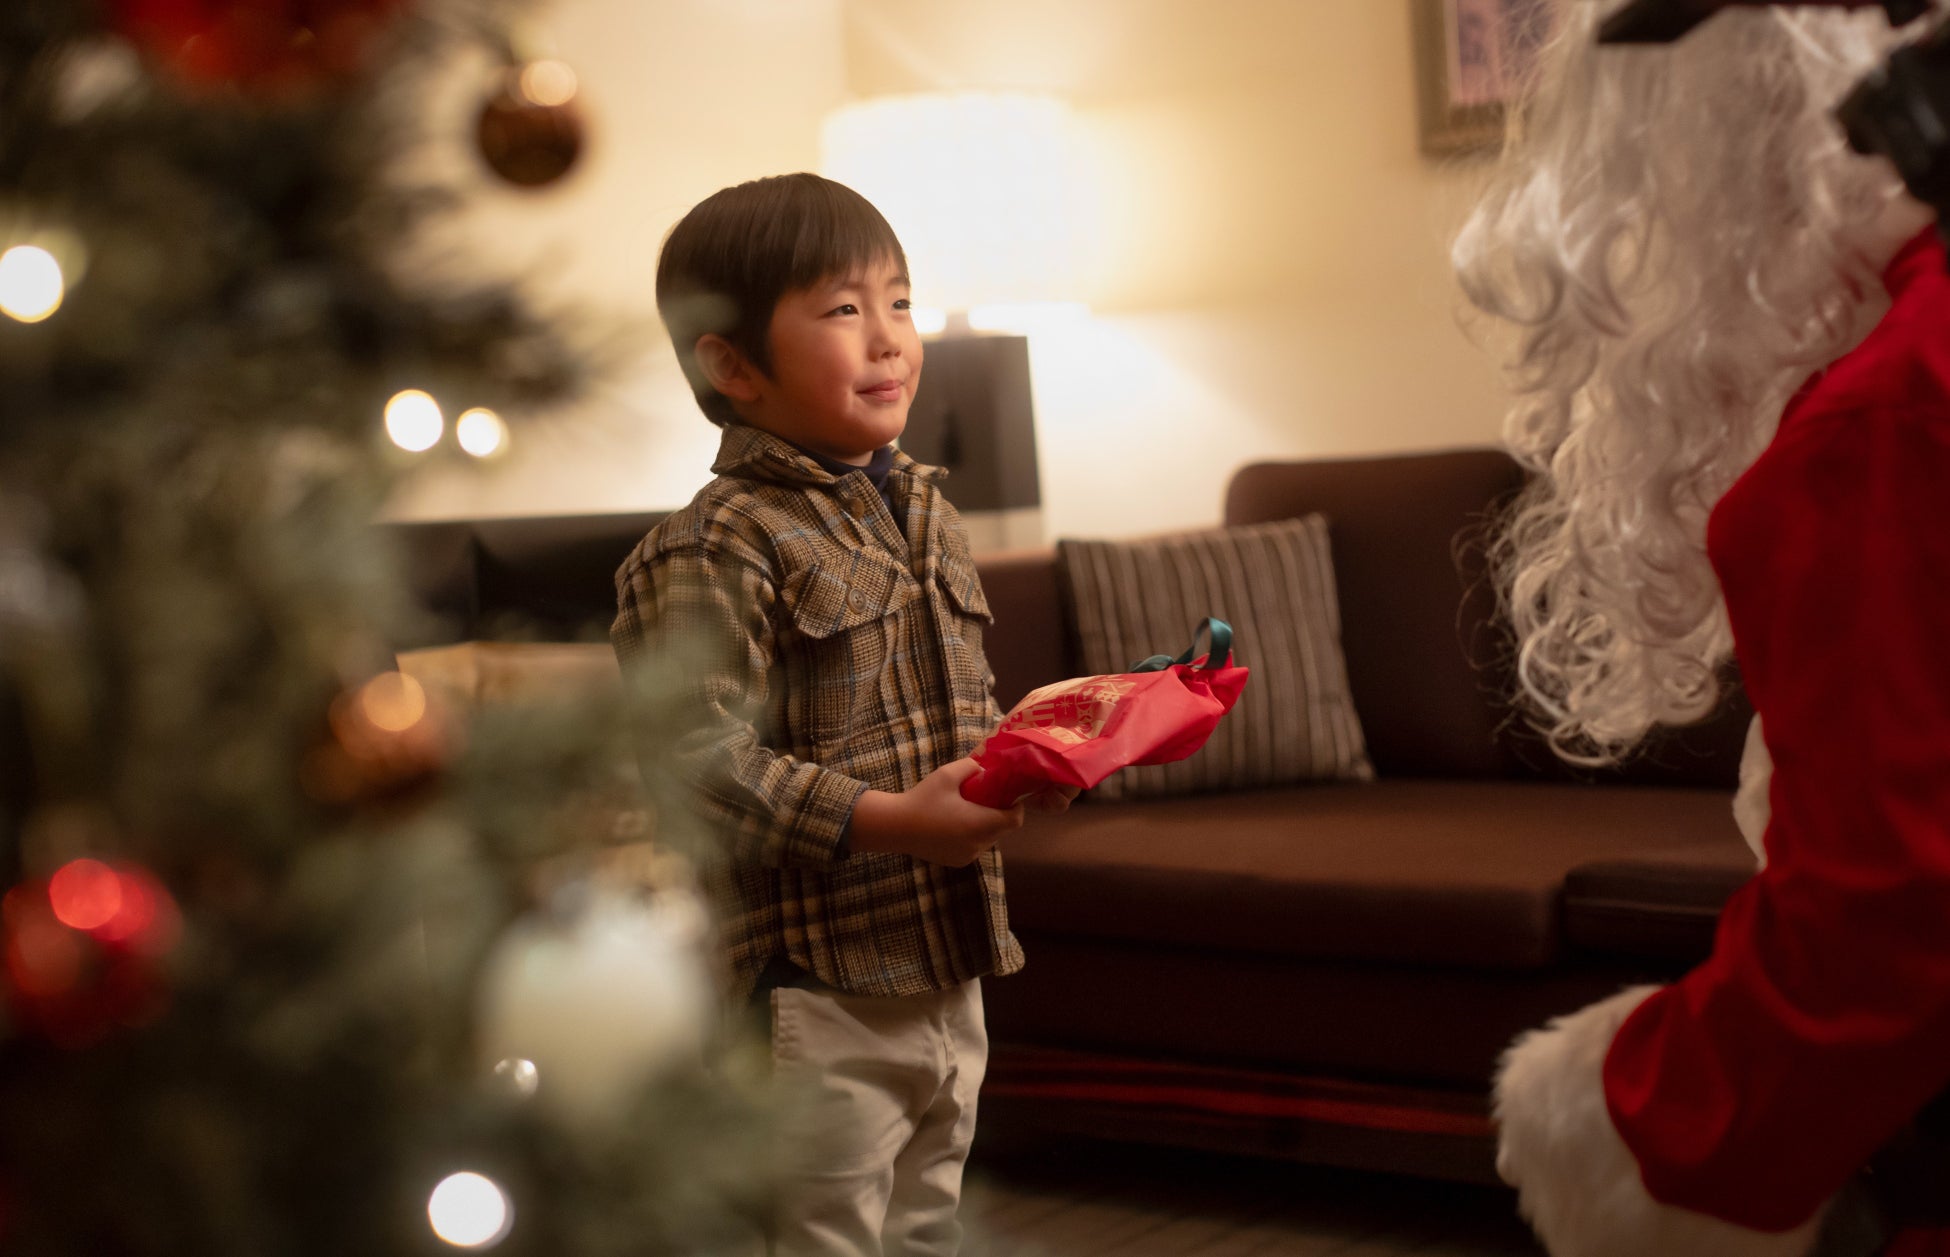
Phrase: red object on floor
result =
(1230, 1092)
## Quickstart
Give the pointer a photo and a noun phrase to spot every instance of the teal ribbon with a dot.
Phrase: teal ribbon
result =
(1220, 634)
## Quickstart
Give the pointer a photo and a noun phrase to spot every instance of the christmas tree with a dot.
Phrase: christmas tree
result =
(275, 922)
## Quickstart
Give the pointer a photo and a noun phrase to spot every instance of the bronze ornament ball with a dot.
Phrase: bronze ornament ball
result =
(531, 131)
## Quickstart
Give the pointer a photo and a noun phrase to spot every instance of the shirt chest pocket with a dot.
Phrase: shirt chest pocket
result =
(843, 623)
(957, 578)
(967, 674)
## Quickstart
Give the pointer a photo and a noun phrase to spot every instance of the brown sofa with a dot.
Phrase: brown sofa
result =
(1323, 972)
(1328, 972)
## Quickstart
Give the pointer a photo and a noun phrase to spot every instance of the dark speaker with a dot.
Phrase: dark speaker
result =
(973, 415)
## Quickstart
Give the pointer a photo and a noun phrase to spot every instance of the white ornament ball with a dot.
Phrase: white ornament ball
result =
(518, 1078)
(600, 1004)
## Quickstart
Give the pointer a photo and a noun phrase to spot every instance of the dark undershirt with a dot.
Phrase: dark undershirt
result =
(876, 468)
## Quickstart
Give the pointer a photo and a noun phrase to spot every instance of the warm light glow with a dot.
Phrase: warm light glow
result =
(86, 894)
(930, 321)
(1027, 318)
(414, 421)
(469, 1210)
(481, 432)
(548, 82)
(393, 701)
(31, 284)
(984, 190)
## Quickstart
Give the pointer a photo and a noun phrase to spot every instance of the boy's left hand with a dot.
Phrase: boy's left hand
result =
(1052, 800)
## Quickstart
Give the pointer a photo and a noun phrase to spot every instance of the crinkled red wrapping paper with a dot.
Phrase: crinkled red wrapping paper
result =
(1080, 731)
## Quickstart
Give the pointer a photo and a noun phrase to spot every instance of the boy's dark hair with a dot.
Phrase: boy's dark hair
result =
(725, 265)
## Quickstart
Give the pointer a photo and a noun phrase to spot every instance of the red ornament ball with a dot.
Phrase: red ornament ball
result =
(84, 952)
(266, 47)
(531, 130)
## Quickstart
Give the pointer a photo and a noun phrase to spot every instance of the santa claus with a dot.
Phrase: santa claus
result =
(1730, 340)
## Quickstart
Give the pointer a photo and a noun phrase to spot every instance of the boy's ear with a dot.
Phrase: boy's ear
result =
(729, 371)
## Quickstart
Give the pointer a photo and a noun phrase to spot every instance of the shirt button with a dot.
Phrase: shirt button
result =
(857, 600)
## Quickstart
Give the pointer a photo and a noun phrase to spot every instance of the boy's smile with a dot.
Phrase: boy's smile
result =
(845, 363)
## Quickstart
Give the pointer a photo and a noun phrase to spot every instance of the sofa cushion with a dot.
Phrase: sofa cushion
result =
(1666, 906)
(1427, 654)
(1274, 583)
(1435, 873)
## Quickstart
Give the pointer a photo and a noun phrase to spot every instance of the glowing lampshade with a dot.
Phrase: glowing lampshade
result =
(982, 188)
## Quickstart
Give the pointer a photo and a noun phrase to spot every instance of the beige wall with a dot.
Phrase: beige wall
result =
(683, 97)
(1267, 273)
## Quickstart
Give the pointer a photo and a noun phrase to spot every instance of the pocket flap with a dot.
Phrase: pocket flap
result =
(835, 595)
(964, 588)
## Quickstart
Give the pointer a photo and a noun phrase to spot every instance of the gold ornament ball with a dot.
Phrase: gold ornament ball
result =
(528, 139)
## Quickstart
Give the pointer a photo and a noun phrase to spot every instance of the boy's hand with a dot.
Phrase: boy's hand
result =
(1053, 800)
(932, 821)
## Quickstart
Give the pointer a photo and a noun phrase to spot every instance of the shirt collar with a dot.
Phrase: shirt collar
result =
(877, 466)
(758, 455)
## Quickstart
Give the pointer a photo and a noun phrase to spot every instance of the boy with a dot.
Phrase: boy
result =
(859, 895)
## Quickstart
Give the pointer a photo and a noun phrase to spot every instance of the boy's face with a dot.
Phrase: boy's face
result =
(845, 363)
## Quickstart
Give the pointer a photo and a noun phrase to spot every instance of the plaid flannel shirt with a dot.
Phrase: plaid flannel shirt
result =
(850, 659)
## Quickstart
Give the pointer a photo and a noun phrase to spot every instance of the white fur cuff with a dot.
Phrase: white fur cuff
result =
(1577, 1183)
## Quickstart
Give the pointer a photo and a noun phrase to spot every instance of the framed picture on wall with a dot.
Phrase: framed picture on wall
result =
(1470, 58)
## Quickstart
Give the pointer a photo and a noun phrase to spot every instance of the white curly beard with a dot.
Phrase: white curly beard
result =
(1577, 1183)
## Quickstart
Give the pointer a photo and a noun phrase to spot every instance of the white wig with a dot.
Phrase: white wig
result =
(1679, 236)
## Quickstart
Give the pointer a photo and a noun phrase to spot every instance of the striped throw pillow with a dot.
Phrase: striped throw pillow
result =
(1274, 583)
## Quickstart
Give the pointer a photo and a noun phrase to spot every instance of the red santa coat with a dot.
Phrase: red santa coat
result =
(1742, 1097)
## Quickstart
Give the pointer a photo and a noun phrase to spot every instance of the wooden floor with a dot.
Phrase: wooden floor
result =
(1088, 1200)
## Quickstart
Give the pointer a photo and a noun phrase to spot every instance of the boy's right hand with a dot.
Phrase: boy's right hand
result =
(932, 821)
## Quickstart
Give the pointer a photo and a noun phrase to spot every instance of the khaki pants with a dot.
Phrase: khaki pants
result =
(887, 1110)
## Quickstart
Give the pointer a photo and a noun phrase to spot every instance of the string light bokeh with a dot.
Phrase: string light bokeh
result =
(481, 432)
(32, 286)
(393, 701)
(414, 421)
(470, 1210)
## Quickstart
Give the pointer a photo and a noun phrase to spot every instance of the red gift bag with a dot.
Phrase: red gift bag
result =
(1080, 731)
